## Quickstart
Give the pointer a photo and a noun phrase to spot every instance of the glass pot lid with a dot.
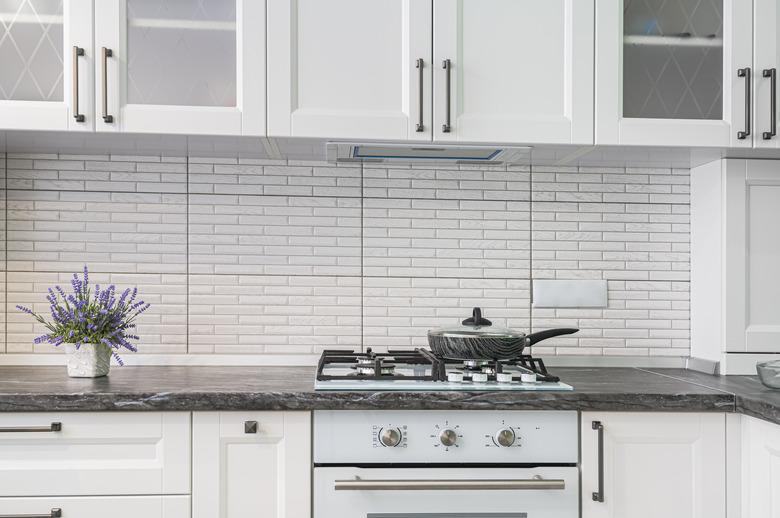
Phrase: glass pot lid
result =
(477, 326)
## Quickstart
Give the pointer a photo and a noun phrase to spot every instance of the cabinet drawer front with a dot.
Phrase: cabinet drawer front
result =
(94, 454)
(98, 507)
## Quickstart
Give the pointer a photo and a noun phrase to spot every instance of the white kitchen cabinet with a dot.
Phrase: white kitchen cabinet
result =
(47, 454)
(350, 69)
(735, 282)
(668, 73)
(251, 464)
(760, 482)
(180, 67)
(517, 71)
(766, 22)
(46, 58)
(98, 507)
(654, 464)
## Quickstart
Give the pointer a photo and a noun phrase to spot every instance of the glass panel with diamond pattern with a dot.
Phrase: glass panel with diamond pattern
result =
(181, 52)
(31, 50)
(673, 59)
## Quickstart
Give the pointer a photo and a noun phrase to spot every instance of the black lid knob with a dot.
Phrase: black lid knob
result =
(476, 319)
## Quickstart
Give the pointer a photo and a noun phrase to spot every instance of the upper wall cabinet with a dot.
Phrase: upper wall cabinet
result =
(675, 73)
(46, 59)
(190, 66)
(350, 69)
(767, 58)
(513, 71)
(517, 71)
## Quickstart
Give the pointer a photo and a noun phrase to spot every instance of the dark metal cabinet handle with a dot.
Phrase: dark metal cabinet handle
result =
(105, 54)
(745, 72)
(77, 51)
(598, 496)
(54, 513)
(250, 426)
(420, 105)
(447, 66)
(771, 73)
(54, 427)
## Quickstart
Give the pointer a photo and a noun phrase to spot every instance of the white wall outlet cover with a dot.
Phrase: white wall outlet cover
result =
(548, 293)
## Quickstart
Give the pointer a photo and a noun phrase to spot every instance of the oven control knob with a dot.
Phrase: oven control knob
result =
(505, 437)
(390, 437)
(448, 437)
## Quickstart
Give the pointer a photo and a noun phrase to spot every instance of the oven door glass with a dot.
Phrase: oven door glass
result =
(348, 492)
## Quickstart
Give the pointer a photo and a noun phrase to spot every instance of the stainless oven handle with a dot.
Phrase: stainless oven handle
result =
(448, 485)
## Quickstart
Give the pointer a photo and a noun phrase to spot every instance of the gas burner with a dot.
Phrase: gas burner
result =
(475, 365)
(369, 369)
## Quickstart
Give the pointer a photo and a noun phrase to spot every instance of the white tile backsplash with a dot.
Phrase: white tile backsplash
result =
(269, 257)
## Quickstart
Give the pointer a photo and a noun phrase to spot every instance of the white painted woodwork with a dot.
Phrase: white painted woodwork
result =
(44, 115)
(96, 454)
(760, 448)
(238, 474)
(766, 24)
(522, 70)
(100, 506)
(347, 68)
(655, 464)
(612, 128)
(246, 118)
(735, 284)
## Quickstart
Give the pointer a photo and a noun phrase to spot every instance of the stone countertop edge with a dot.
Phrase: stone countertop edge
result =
(48, 389)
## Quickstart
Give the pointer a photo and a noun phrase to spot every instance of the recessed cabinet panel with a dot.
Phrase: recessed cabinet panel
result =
(349, 68)
(760, 468)
(181, 67)
(674, 73)
(513, 70)
(46, 60)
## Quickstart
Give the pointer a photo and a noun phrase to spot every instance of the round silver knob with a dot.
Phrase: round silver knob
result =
(448, 437)
(505, 437)
(390, 437)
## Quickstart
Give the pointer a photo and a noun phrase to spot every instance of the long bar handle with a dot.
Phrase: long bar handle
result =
(598, 496)
(53, 427)
(745, 72)
(105, 54)
(447, 66)
(54, 513)
(77, 51)
(420, 104)
(448, 485)
(771, 73)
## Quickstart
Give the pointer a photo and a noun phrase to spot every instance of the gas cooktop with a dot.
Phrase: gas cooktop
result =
(420, 369)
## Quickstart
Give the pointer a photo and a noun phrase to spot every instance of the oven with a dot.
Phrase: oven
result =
(441, 464)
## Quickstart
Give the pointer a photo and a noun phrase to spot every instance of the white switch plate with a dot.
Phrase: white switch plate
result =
(548, 293)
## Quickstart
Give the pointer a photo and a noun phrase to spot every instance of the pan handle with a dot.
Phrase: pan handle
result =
(549, 333)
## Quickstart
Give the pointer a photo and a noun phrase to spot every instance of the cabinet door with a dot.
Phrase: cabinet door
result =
(181, 67)
(517, 71)
(654, 464)
(766, 24)
(349, 69)
(667, 73)
(46, 60)
(251, 464)
(760, 468)
(752, 253)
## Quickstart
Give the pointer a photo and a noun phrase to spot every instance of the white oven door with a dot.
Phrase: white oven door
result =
(549, 492)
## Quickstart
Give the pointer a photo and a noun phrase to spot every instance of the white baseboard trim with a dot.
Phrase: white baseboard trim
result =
(254, 360)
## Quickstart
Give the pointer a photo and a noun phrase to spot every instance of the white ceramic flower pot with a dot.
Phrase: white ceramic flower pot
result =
(88, 361)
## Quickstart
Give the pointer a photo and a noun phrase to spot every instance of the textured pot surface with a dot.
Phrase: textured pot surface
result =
(88, 361)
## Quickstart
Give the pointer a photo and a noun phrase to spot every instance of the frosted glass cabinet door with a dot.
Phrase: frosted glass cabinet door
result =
(349, 68)
(517, 71)
(674, 73)
(44, 46)
(181, 66)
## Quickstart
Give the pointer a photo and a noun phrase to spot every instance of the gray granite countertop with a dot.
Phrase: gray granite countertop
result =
(292, 388)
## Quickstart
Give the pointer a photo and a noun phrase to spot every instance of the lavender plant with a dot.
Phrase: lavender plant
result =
(102, 320)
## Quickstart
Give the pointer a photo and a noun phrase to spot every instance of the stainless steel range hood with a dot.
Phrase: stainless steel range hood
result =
(426, 153)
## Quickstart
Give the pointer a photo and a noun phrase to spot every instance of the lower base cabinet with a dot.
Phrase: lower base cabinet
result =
(760, 468)
(97, 506)
(251, 464)
(653, 464)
